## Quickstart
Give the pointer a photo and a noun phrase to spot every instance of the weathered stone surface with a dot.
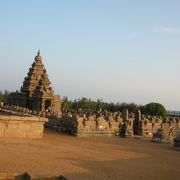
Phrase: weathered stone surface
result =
(23, 129)
(148, 125)
(159, 136)
(11, 129)
(112, 123)
(102, 124)
(114, 126)
(165, 134)
(2, 129)
(90, 124)
(177, 142)
(17, 126)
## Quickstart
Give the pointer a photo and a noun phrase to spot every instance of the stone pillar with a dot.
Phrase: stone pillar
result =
(139, 123)
(139, 115)
(43, 105)
(126, 115)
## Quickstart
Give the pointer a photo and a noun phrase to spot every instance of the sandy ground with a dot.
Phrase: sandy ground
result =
(90, 158)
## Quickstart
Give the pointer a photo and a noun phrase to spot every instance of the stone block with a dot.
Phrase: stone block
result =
(4, 117)
(89, 126)
(35, 131)
(2, 129)
(16, 118)
(12, 129)
(21, 126)
(24, 128)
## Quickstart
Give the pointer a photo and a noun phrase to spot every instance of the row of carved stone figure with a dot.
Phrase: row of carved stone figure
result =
(26, 111)
(74, 122)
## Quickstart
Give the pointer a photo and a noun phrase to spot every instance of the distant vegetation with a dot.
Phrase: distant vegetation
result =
(90, 105)
(4, 95)
(99, 105)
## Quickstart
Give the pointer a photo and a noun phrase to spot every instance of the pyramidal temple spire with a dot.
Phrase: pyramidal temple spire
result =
(36, 92)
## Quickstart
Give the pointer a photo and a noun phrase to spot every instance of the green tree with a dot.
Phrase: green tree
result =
(132, 107)
(154, 109)
(91, 105)
(66, 104)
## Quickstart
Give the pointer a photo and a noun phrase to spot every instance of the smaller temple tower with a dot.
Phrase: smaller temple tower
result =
(36, 92)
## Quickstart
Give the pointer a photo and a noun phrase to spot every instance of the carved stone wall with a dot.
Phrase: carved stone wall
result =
(109, 124)
(85, 126)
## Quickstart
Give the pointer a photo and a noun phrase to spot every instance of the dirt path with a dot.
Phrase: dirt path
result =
(90, 158)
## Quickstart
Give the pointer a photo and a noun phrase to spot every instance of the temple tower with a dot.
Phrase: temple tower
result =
(36, 92)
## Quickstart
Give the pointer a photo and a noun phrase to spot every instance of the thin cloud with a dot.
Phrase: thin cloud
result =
(167, 30)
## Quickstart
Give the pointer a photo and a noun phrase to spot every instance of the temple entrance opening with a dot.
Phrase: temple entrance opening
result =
(48, 104)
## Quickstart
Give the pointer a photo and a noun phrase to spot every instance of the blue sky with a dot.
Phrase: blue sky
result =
(116, 50)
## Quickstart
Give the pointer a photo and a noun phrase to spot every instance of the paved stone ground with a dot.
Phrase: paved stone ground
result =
(90, 158)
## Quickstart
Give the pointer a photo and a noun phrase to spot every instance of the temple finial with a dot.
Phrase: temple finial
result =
(38, 52)
(38, 57)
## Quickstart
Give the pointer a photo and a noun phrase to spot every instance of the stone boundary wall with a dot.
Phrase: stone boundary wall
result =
(80, 127)
(21, 126)
(88, 126)
(117, 124)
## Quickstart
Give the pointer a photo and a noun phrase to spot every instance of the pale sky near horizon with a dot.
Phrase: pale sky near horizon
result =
(115, 50)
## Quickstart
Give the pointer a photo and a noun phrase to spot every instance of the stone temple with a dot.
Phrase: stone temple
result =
(36, 94)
